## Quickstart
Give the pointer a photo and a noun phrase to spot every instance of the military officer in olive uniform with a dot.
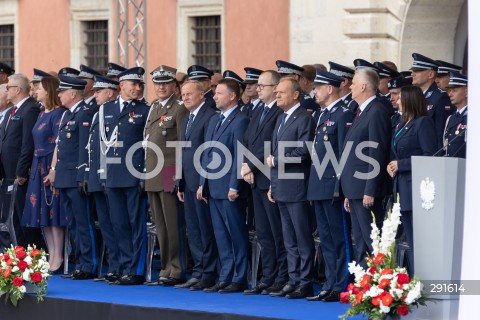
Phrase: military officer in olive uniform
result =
(455, 136)
(164, 125)
(121, 127)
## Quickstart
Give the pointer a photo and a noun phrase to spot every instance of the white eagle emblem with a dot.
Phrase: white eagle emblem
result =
(427, 193)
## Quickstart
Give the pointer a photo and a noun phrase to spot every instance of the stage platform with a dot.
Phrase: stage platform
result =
(75, 300)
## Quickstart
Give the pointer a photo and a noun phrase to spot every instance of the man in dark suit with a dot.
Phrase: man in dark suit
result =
(290, 165)
(226, 191)
(203, 75)
(455, 136)
(201, 238)
(16, 153)
(122, 122)
(65, 175)
(268, 223)
(424, 73)
(164, 126)
(331, 129)
(363, 180)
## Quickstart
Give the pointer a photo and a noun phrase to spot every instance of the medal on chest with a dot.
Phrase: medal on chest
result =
(69, 135)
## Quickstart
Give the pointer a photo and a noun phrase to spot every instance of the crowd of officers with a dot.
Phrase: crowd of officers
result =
(326, 114)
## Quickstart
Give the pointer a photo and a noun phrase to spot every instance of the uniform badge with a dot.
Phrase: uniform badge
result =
(325, 138)
(69, 135)
(130, 119)
(324, 129)
(428, 95)
(457, 132)
(430, 107)
(164, 132)
(107, 129)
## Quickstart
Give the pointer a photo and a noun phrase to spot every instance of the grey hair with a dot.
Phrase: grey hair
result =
(370, 77)
(22, 80)
(198, 84)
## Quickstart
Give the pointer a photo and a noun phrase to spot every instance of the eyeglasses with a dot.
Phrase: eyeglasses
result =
(262, 86)
(8, 87)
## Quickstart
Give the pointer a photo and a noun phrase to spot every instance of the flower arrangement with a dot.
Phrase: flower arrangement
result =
(384, 289)
(20, 268)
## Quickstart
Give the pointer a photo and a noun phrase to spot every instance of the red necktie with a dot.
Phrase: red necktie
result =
(12, 113)
(358, 114)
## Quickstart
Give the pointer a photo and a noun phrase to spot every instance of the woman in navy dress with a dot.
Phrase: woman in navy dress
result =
(414, 136)
(42, 206)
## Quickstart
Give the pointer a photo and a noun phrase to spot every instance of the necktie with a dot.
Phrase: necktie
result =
(12, 114)
(264, 113)
(219, 123)
(123, 106)
(321, 115)
(284, 117)
(359, 111)
(189, 123)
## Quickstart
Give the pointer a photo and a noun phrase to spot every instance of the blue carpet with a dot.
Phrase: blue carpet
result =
(168, 297)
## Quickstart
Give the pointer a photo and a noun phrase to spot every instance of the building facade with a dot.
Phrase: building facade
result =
(228, 34)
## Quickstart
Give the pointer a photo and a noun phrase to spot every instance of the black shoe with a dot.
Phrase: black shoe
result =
(322, 294)
(188, 284)
(334, 296)
(216, 287)
(203, 284)
(83, 275)
(276, 286)
(288, 288)
(70, 275)
(301, 292)
(112, 277)
(170, 282)
(59, 270)
(130, 280)
(257, 289)
(233, 287)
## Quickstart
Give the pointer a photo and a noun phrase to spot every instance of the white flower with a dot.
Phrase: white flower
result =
(374, 291)
(15, 269)
(28, 260)
(383, 308)
(26, 275)
(356, 270)
(22, 289)
(414, 294)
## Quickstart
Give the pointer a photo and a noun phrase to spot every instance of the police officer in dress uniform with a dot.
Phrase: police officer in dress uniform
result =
(68, 72)
(66, 173)
(331, 128)
(289, 69)
(347, 74)
(229, 74)
(443, 75)
(164, 125)
(251, 79)
(268, 223)
(203, 75)
(106, 90)
(387, 71)
(5, 72)
(121, 127)
(201, 238)
(424, 73)
(113, 70)
(455, 136)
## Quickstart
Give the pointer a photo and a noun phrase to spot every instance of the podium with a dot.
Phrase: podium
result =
(438, 186)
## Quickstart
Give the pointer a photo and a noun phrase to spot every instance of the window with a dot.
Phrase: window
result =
(7, 52)
(207, 42)
(96, 45)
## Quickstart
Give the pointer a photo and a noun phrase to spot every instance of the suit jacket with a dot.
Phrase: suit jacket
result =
(163, 124)
(130, 122)
(68, 147)
(456, 135)
(190, 176)
(16, 141)
(255, 138)
(439, 107)
(417, 138)
(209, 102)
(298, 127)
(373, 125)
(229, 133)
(332, 129)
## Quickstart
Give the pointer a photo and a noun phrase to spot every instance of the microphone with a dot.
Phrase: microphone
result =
(448, 144)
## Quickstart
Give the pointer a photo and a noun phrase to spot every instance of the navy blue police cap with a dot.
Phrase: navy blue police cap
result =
(341, 70)
(398, 82)
(87, 73)
(445, 67)
(197, 72)
(68, 72)
(285, 68)
(5, 68)
(324, 77)
(101, 82)
(386, 71)
(229, 74)
(252, 74)
(114, 69)
(38, 75)
(67, 83)
(421, 62)
(132, 74)
(457, 79)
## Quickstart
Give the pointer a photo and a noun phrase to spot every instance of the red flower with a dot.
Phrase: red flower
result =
(22, 265)
(350, 287)
(383, 283)
(35, 253)
(386, 271)
(378, 258)
(372, 270)
(366, 280)
(355, 290)
(21, 255)
(17, 282)
(376, 301)
(359, 297)
(366, 288)
(19, 248)
(387, 300)
(344, 297)
(36, 277)
(10, 262)
(6, 257)
(403, 278)
(402, 310)
(7, 273)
